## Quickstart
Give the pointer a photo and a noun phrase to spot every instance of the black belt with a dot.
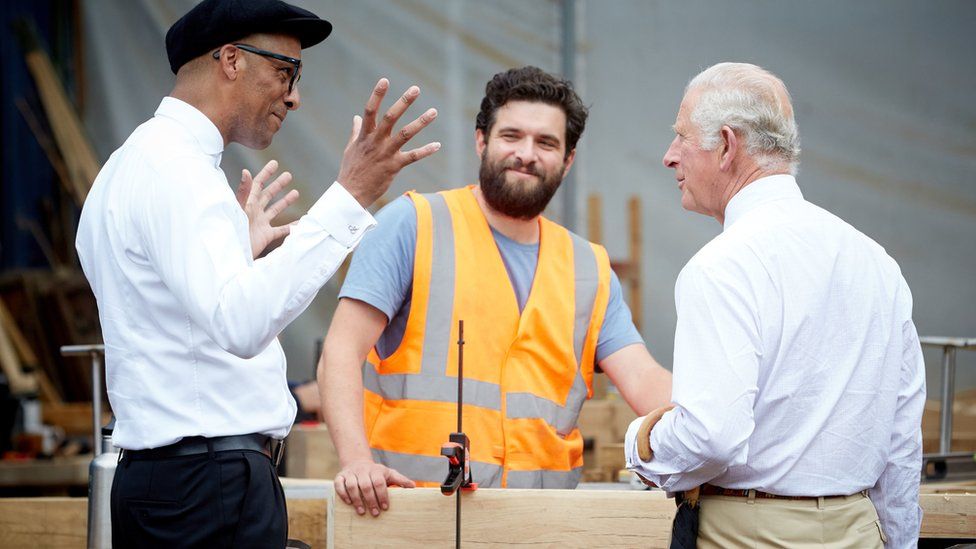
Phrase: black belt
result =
(711, 490)
(189, 446)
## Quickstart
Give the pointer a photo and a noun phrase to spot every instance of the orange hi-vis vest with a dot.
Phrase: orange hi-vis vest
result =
(526, 376)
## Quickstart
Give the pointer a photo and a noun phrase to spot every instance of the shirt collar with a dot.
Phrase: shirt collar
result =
(759, 192)
(196, 123)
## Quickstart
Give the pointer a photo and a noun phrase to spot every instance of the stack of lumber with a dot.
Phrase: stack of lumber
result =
(309, 452)
(603, 424)
(41, 311)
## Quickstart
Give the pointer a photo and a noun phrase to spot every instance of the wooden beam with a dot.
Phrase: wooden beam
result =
(65, 471)
(636, 243)
(422, 517)
(20, 382)
(307, 521)
(51, 523)
(74, 417)
(948, 515)
(61, 523)
(68, 131)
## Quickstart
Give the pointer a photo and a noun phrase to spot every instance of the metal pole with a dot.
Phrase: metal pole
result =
(569, 73)
(948, 393)
(460, 402)
(97, 402)
(95, 352)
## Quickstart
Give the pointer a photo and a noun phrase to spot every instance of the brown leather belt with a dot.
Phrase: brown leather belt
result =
(710, 490)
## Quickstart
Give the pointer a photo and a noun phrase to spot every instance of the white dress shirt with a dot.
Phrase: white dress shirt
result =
(797, 368)
(190, 321)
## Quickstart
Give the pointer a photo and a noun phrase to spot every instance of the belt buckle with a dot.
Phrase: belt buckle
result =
(277, 450)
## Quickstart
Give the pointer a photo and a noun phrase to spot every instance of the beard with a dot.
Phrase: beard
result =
(517, 199)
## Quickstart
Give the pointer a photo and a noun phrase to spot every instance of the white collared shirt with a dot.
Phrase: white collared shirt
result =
(189, 319)
(797, 368)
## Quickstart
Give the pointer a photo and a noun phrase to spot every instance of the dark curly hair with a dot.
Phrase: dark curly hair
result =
(533, 84)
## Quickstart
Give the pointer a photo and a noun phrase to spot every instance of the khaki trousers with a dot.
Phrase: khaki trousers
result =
(840, 522)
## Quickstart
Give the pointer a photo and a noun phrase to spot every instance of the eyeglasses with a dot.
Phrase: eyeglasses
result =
(295, 71)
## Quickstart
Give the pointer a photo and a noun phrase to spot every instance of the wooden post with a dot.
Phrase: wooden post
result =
(636, 244)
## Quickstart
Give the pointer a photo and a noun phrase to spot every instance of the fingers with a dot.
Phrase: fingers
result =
(368, 494)
(409, 157)
(373, 105)
(365, 487)
(282, 204)
(340, 488)
(397, 109)
(353, 495)
(644, 451)
(244, 189)
(276, 187)
(281, 232)
(400, 480)
(357, 126)
(378, 481)
(407, 132)
(264, 175)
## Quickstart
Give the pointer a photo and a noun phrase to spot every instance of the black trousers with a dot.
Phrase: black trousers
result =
(218, 499)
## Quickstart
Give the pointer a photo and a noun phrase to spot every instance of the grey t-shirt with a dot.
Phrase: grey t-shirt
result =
(381, 274)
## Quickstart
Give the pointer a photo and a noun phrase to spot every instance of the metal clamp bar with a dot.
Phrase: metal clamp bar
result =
(95, 351)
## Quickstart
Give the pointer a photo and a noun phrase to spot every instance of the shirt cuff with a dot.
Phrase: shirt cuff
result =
(341, 215)
(630, 444)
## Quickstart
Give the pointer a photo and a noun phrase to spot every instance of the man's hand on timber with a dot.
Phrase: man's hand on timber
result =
(373, 156)
(363, 483)
(255, 200)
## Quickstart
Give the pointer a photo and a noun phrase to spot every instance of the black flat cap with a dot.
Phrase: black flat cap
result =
(213, 23)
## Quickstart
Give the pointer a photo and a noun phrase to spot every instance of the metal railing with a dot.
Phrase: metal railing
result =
(95, 352)
(949, 346)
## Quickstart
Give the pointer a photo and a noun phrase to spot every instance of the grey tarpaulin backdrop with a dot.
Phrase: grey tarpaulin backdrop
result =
(882, 91)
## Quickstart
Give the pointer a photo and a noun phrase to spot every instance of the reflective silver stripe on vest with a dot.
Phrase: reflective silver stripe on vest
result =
(434, 469)
(563, 417)
(431, 383)
(545, 479)
(440, 295)
(587, 283)
(436, 387)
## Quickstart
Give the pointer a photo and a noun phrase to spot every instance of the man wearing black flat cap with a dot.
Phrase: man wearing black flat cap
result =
(190, 317)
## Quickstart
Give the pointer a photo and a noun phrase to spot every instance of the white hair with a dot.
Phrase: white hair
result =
(755, 104)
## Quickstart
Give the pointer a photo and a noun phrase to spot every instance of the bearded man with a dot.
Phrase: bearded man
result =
(541, 306)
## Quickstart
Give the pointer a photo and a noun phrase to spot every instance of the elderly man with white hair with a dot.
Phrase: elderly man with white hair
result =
(798, 375)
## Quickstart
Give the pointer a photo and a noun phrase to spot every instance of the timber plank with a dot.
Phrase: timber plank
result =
(63, 471)
(422, 517)
(46, 523)
(62, 523)
(948, 515)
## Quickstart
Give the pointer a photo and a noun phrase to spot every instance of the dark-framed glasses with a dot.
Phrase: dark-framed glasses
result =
(296, 69)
